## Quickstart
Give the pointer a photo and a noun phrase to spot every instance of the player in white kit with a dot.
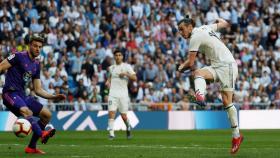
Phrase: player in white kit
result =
(120, 74)
(223, 67)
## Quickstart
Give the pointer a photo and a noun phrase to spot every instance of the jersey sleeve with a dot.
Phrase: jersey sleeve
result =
(110, 71)
(195, 42)
(213, 27)
(13, 59)
(37, 74)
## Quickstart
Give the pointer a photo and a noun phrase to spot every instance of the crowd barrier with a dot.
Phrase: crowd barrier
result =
(152, 120)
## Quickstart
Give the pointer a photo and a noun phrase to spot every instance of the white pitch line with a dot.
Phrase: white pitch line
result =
(66, 145)
(162, 147)
(10, 144)
(180, 147)
(194, 146)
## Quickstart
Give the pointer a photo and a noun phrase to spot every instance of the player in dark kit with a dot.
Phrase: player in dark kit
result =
(22, 69)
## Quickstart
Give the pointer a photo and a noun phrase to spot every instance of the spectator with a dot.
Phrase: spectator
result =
(184, 104)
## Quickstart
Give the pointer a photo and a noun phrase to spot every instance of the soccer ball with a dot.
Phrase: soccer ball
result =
(22, 128)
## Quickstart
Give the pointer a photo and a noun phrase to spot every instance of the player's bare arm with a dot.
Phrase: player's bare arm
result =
(4, 65)
(108, 82)
(189, 62)
(42, 93)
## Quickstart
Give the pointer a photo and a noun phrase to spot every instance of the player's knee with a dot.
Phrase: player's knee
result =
(25, 112)
(227, 99)
(46, 115)
(124, 116)
(226, 102)
(112, 114)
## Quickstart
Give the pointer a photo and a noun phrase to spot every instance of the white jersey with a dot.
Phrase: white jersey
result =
(205, 40)
(119, 85)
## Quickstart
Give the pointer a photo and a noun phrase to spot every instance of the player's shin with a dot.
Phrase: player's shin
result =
(36, 135)
(41, 124)
(33, 141)
(232, 115)
(127, 123)
(35, 126)
(200, 87)
(111, 127)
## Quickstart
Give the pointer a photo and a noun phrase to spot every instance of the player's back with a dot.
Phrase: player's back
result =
(22, 71)
(205, 40)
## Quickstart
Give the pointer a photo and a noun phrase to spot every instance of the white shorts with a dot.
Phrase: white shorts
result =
(118, 103)
(226, 74)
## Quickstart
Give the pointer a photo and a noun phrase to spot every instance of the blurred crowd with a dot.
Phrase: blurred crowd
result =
(82, 34)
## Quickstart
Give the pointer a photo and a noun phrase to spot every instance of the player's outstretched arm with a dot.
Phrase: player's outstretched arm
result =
(189, 62)
(42, 93)
(4, 65)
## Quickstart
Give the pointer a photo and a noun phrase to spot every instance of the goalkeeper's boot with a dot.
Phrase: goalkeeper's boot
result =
(236, 142)
(29, 150)
(46, 135)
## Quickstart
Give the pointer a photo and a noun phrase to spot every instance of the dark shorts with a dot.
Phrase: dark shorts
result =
(15, 100)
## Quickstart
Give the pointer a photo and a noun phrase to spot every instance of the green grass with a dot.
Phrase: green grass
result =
(154, 144)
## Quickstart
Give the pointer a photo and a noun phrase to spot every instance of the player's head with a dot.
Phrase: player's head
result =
(118, 55)
(36, 42)
(185, 27)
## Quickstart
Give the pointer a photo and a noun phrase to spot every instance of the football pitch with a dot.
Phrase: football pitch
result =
(154, 144)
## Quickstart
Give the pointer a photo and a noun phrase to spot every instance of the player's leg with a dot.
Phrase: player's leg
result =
(37, 133)
(128, 126)
(44, 114)
(36, 108)
(227, 76)
(123, 108)
(111, 121)
(16, 103)
(200, 76)
(237, 138)
(112, 107)
(231, 111)
(45, 117)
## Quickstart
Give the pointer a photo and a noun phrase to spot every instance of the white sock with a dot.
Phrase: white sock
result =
(232, 115)
(111, 127)
(200, 85)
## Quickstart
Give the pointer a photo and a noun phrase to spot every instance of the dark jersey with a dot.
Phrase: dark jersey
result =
(22, 72)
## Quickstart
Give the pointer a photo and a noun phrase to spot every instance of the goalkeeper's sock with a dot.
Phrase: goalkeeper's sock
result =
(200, 87)
(111, 127)
(232, 115)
